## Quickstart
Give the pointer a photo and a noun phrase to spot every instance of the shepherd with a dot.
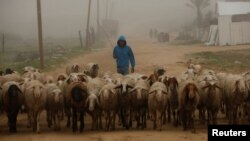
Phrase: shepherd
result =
(123, 55)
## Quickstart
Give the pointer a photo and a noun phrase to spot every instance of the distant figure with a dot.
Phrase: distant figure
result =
(151, 33)
(9, 71)
(155, 33)
(123, 55)
(92, 36)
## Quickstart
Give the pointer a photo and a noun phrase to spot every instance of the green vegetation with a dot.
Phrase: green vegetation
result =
(229, 61)
(185, 42)
(19, 55)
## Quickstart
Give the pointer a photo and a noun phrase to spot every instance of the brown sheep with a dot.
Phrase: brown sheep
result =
(188, 101)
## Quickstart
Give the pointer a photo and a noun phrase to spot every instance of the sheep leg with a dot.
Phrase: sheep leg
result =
(29, 119)
(49, 118)
(81, 121)
(144, 118)
(214, 117)
(169, 114)
(113, 120)
(153, 116)
(74, 120)
(38, 122)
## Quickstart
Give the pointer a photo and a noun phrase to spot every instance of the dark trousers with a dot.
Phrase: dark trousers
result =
(123, 71)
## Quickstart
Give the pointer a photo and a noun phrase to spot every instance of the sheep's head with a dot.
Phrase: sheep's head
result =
(164, 79)
(75, 68)
(57, 95)
(240, 88)
(124, 88)
(212, 88)
(37, 91)
(14, 90)
(173, 83)
(61, 77)
(190, 90)
(92, 102)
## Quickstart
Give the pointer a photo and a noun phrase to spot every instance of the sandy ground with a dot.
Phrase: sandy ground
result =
(147, 54)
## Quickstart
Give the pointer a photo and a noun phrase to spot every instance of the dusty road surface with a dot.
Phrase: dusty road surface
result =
(147, 54)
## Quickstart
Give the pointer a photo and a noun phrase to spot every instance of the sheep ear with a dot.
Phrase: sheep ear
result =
(131, 91)
(144, 77)
(218, 86)
(152, 92)
(164, 92)
(118, 86)
(129, 86)
(205, 87)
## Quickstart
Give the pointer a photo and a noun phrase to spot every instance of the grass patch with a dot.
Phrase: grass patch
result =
(185, 42)
(19, 55)
(228, 61)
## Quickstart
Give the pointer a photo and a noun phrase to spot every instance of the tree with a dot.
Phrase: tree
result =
(198, 5)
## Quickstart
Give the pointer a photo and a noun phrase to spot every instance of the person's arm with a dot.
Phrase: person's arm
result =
(132, 59)
(114, 53)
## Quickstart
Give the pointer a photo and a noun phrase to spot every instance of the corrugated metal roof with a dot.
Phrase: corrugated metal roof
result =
(233, 8)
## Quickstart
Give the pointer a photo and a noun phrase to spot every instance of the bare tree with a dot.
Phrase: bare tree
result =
(198, 6)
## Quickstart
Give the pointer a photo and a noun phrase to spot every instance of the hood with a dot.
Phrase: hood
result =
(122, 38)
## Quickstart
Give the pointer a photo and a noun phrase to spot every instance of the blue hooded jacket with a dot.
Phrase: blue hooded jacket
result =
(123, 55)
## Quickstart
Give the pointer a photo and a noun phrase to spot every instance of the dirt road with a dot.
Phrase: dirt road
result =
(147, 54)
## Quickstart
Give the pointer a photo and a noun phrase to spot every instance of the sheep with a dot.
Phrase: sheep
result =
(54, 105)
(75, 68)
(95, 83)
(48, 80)
(61, 77)
(246, 77)
(139, 102)
(208, 85)
(35, 102)
(157, 103)
(94, 109)
(72, 78)
(124, 101)
(92, 69)
(29, 69)
(173, 86)
(108, 99)
(196, 67)
(10, 77)
(234, 94)
(210, 96)
(188, 101)
(77, 94)
(12, 99)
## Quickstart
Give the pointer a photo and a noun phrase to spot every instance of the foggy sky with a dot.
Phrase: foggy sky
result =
(63, 18)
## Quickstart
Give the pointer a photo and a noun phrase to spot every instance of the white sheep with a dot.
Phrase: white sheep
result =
(157, 104)
(54, 105)
(35, 102)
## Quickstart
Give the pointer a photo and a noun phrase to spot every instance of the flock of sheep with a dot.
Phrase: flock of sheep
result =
(132, 98)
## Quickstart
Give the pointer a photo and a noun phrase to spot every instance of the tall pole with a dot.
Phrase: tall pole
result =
(98, 16)
(87, 29)
(80, 37)
(107, 8)
(40, 35)
(3, 44)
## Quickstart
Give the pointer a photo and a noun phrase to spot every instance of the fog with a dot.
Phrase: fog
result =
(63, 18)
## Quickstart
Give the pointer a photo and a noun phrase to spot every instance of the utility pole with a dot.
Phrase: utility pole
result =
(98, 16)
(40, 35)
(3, 43)
(80, 36)
(87, 29)
(107, 8)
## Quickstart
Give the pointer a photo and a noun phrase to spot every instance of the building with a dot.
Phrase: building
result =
(233, 23)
